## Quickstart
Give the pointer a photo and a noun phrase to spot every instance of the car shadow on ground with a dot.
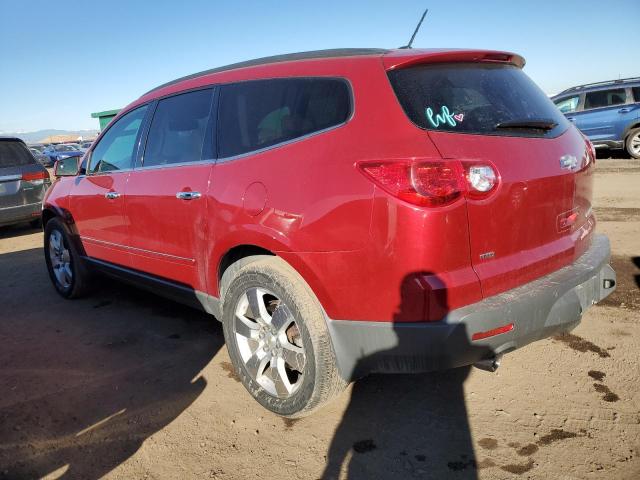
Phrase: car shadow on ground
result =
(14, 231)
(85, 382)
(636, 262)
(407, 425)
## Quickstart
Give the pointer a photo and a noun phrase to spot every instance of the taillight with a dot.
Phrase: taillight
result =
(35, 177)
(481, 179)
(432, 183)
(426, 184)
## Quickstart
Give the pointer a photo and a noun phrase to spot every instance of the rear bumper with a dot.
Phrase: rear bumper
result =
(20, 213)
(539, 309)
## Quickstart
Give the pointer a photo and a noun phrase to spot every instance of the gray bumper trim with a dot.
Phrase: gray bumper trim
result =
(19, 213)
(549, 305)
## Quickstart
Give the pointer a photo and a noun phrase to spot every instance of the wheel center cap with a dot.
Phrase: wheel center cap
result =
(270, 340)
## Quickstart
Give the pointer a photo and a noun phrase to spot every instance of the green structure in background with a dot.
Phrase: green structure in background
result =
(105, 117)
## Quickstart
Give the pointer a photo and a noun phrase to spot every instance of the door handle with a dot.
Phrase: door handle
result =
(624, 110)
(571, 119)
(188, 195)
(112, 195)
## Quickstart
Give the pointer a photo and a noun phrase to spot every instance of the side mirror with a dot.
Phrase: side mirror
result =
(67, 167)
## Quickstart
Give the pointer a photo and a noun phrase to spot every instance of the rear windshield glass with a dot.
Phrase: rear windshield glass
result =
(472, 98)
(14, 154)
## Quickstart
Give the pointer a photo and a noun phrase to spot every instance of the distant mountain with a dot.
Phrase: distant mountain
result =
(34, 137)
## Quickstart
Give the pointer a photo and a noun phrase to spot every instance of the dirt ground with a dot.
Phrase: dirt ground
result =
(126, 385)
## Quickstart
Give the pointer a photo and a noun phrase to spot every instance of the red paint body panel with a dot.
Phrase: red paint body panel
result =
(167, 235)
(517, 224)
(100, 221)
(362, 251)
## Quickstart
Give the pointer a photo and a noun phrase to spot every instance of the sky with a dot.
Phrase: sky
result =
(62, 60)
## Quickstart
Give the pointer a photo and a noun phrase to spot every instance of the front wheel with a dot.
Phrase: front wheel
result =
(66, 269)
(278, 340)
(633, 143)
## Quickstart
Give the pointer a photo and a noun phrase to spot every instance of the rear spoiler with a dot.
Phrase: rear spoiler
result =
(410, 57)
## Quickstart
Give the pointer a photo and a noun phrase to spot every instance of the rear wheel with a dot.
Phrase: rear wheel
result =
(67, 271)
(277, 339)
(633, 143)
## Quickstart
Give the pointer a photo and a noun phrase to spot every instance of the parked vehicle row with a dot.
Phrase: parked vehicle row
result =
(342, 212)
(62, 151)
(606, 112)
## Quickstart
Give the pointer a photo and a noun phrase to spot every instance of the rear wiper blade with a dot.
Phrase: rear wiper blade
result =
(542, 124)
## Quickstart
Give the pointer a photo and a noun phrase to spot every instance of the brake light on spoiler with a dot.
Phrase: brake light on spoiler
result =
(427, 183)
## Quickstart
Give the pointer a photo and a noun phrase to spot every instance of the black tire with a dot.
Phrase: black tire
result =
(320, 381)
(80, 274)
(633, 138)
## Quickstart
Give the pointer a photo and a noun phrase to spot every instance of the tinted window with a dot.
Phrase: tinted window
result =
(178, 129)
(568, 105)
(636, 94)
(471, 97)
(13, 154)
(258, 114)
(116, 148)
(605, 98)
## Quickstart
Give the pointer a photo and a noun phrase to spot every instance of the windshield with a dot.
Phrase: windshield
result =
(474, 98)
(14, 154)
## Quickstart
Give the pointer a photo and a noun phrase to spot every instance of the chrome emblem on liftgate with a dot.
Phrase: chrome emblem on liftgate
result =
(568, 162)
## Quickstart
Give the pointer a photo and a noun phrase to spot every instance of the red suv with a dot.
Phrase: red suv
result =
(343, 212)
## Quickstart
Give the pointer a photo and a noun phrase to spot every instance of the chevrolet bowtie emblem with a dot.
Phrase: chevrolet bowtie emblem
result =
(568, 162)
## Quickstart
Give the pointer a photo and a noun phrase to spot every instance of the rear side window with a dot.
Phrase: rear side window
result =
(116, 148)
(178, 129)
(471, 97)
(605, 98)
(258, 114)
(14, 154)
(568, 105)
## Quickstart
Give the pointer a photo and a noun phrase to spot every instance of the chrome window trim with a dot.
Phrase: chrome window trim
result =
(282, 144)
(110, 172)
(180, 164)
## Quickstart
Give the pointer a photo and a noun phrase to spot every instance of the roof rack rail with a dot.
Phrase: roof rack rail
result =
(595, 84)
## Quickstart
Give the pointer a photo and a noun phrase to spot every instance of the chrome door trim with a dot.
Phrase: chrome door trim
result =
(138, 250)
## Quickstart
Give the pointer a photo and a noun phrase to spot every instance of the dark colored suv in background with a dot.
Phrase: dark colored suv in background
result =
(23, 183)
(606, 112)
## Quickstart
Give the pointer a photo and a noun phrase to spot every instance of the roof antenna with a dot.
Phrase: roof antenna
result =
(416, 30)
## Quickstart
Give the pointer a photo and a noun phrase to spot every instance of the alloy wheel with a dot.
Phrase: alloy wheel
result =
(269, 342)
(60, 259)
(635, 143)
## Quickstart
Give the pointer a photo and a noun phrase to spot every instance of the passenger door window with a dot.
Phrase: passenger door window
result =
(605, 98)
(636, 94)
(262, 113)
(568, 105)
(116, 148)
(178, 129)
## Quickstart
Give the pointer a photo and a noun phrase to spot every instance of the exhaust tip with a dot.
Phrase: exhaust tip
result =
(489, 364)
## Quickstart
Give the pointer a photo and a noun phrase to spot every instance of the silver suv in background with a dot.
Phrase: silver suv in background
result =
(23, 183)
